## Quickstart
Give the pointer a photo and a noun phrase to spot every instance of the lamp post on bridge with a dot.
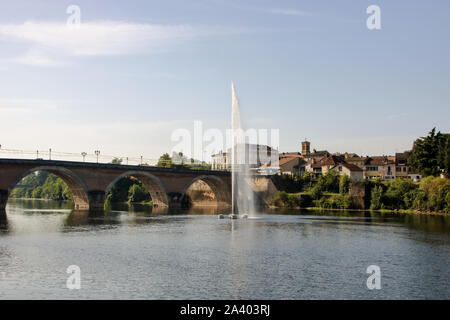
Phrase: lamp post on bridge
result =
(97, 153)
(84, 154)
(50, 154)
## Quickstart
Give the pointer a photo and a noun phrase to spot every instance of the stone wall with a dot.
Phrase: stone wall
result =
(200, 194)
(264, 189)
(357, 194)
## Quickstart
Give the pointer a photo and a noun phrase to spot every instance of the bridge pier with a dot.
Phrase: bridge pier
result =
(3, 199)
(174, 200)
(96, 200)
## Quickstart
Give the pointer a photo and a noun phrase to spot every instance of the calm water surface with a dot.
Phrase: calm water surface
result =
(138, 254)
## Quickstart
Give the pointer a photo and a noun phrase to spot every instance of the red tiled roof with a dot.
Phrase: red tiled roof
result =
(290, 155)
(351, 167)
(328, 161)
(378, 161)
(286, 160)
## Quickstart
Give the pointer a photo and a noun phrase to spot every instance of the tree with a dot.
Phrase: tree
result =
(344, 184)
(435, 192)
(431, 154)
(307, 179)
(316, 192)
(444, 154)
(117, 161)
(137, 193)
(328, 182)
(376, 198)
(164, 161)
(396, 191)
(119, 192)
(43, 185)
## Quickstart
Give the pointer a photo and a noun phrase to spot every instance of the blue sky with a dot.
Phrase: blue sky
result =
(137, 70)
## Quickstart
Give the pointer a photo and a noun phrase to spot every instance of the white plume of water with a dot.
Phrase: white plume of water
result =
(242, 193)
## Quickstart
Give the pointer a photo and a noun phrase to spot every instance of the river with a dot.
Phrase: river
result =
(133, 253)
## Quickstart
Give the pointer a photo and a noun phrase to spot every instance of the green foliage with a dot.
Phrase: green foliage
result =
(128, 190)
(288, 183)
(376, 198)
(431, 154)
(447, 202)
(284, 199)
(334, 202)
(397, 192)
(344, 184)
(306, 179)
(432, 194)
(165, 161)
(117, 161)
(42, 185)
(138, 193)
(316, 192)
(436, 191)
(343, 201)
(119, 192)
(202, 166)
(330, 182)
(444, 154)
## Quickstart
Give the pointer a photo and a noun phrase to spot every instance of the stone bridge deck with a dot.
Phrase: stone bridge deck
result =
(90, 182)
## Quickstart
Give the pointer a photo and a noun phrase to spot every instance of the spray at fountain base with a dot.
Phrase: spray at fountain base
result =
(233, 216)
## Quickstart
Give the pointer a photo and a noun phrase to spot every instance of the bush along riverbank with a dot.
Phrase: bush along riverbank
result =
(331, 192)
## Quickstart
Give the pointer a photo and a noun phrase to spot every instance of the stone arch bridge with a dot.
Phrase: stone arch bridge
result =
(90, 182)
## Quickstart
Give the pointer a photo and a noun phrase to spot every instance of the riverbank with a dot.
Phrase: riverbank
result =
(400, 211)
(70, 202)
(41, 199)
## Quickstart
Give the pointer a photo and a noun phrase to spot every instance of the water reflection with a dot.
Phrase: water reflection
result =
(146, 253)
(423, 222)
(60, 215)
(3, 222)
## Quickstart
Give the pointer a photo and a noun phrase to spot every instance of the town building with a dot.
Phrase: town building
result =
(318, 163)
(402, 169)
(322, 165)
(354, 172)
(382, 167)
(255, 155)
(292, 166)
(220, 161)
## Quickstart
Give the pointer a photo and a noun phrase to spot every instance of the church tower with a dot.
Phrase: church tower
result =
(306, 148)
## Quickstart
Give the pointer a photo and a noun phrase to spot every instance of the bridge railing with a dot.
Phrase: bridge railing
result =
(87, 157)
(70, 156)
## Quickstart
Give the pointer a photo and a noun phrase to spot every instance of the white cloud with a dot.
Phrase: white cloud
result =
(12, 106)
(38, 59)
(49, 42)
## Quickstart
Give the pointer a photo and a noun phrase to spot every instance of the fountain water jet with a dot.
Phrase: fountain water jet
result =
(241, 191)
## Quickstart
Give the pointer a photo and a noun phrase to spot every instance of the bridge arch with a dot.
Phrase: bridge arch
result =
(152, 183)
(75, 184)
(220, 189)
